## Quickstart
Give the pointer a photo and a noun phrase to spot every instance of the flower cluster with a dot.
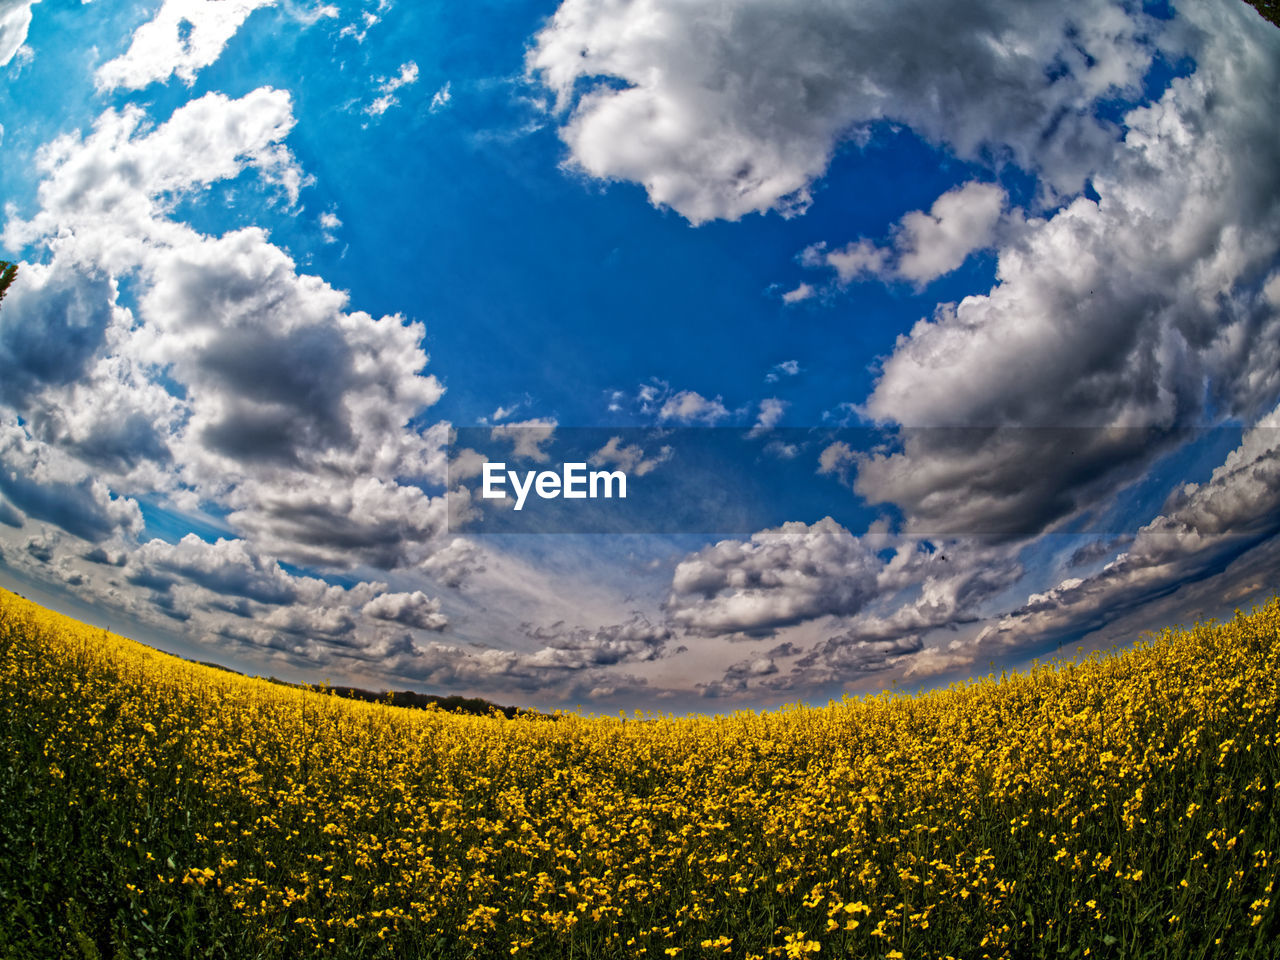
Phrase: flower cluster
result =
(1120, 805)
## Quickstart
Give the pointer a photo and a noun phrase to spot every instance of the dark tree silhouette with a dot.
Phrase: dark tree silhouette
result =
(7, 272)
(1269, 9)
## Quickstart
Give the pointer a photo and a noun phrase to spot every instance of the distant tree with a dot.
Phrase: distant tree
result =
(7, 272)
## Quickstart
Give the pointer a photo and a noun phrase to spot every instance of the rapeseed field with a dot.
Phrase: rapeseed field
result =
(1122, 806)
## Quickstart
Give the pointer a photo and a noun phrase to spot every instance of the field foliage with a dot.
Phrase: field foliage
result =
(1123, 806)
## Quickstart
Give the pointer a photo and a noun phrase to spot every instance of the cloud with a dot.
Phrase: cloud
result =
(291, 412)
(930, 585)
(184, 37)
(368, 20)
(777, 578)
(226, 568)
(105, 557)
(1095, 550)
(414, 609)
(46, 484)
(858, 259)
(650, 393)
(844, 659)
(1214, 542)
(959, 222)
(875, 597)
(329, 225)
(1204, 530)
(634, 641)
(926, 591)
(440, 99)
(453, 564)
(836, 458)
(658, 400)
(126, 177)
(466, 465)
(277, 371)
(55, 321)
(728, 109)
(526, 437)
(937, 661)
(851, 656)
(787, 368)
(739, 676)
(10, 516)
(388, 86)
(318, 627)
(925, 246)
(631, 458)
(367, 520)
(801, 292)
(227, 595)
(15, 19)
(1107, 313)
(1011, 481)
(1122, 320)
(567, 662)
(689, 407)
(771, 412)
(234, 383)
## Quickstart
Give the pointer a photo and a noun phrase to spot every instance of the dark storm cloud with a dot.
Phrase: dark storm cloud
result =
(1205, 530)
(53, 324)
(283, 393)
(58, 492)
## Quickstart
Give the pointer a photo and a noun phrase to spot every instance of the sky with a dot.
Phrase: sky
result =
(933, 338)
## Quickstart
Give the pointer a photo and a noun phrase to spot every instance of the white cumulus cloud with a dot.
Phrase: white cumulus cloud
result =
(15, 20)
(184, 37)
(720, 110)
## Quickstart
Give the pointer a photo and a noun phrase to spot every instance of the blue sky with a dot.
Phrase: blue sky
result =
(948, 337)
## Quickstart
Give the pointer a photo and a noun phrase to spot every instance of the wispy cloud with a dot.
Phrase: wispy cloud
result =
(389, 86)
(440, 99)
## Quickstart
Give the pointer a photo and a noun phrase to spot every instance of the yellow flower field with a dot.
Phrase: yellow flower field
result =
(1118, 807)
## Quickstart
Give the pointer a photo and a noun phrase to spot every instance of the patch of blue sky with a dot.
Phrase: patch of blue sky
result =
(1159, 76)
(613, 293)
(49, 94)
(709, 480)
(610, 292)
(169, 525)
(174, 388)
(1094, 538)
(344, 580)
(1192, 458)
(246, 200)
